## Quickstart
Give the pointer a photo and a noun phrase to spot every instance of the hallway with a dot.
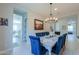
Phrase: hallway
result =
(72, 45)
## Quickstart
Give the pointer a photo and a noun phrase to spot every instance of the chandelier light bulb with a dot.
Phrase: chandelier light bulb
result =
(46, 19)
(55, 9)
(51, 18)
(54, 18)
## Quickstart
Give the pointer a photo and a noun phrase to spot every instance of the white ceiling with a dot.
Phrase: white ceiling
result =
(43, 8)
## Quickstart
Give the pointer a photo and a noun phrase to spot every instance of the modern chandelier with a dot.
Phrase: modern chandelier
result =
(51, 16)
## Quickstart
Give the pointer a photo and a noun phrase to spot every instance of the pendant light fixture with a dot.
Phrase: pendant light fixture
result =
(51, 16)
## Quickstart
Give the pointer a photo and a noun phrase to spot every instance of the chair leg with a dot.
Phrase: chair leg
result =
(47, 53)
(53, 53)
(62, 50)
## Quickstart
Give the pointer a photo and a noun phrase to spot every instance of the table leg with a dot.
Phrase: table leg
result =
(49, 51)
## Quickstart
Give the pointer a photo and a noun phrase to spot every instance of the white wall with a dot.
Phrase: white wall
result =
(30, 26)
(64, 21)
(6, 11)
(47, 26)
(78, 25)
(6, 31)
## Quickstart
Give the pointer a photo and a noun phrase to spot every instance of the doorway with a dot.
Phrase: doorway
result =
(17, 29)
(72, 31)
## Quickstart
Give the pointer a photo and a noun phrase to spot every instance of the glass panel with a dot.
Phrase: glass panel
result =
(70, 28)
(17, 28)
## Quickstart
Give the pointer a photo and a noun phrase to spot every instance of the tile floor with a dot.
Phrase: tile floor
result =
(23, 49)
(72, 47)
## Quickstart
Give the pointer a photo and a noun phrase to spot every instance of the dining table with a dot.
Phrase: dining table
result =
(48, 42)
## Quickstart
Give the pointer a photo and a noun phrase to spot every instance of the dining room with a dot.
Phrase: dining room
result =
(50, 29)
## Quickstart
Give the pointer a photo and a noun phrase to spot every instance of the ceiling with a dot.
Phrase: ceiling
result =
(43, 8)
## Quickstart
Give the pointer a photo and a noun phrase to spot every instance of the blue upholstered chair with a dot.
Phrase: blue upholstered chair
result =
(36, 46)
(59, 44)
(41, 34)
(64, 38)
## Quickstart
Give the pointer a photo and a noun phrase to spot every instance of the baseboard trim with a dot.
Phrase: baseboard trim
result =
(5, 51)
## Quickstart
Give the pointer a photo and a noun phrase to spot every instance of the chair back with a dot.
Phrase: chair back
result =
(35, 45)
(59, 44)
(64, 38)
(41, 34)
(57, 33)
